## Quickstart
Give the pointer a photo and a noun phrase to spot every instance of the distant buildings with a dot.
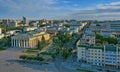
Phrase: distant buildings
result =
(108, 55)
(1, 35)
(0, 30)
(52, 30)
(6, 21)
(29, 29)
(13, 24)
(88, 38)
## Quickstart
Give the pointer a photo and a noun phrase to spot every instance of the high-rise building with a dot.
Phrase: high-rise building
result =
(25, 21)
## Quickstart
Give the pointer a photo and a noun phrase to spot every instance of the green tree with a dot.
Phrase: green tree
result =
(4, 28)
(98, 24)
(42, 43)
(99, 36)
(112, 40)
(61, 41)
(105, 42)
(6, 41)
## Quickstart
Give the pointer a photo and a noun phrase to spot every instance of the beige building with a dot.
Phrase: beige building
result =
(28, 40)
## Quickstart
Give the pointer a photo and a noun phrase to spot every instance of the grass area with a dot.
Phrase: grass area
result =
(1, 49)
(46, 53)
(81, 70)
(31, 51)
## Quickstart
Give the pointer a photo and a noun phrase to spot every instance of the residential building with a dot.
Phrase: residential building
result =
(2, 35)
(13, 24)
(29, 29)
(108, 56)
(88, 38)
(52, 30)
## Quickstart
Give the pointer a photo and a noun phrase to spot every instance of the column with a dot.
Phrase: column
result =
(16, 43)
(23, 43)
(19, 43)
(32, 43)
(27, 43)
(11, 42)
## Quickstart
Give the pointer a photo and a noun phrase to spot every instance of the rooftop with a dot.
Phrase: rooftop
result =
(107, 47)
(28, 35)
(110, 48)
(91, 47)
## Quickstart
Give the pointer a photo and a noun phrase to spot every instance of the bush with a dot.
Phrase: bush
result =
(39, 58)
(25, 57)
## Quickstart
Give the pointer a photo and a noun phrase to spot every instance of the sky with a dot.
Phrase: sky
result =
(61, 9)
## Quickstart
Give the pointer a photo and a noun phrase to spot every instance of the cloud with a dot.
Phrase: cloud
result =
(58, 9)
(100, 12)
(66, 2)
(38, 8)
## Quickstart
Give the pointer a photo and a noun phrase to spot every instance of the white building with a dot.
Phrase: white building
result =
(108, 55)
(88, 38)
(13, 24)
(1, 35)
(29, 28)
(0, 30)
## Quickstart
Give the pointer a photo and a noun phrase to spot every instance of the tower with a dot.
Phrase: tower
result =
(25, 21)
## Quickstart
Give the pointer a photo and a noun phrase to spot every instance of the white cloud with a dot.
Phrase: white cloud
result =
(52, 8)
(29, 7)
(66, 1)
(101, 11)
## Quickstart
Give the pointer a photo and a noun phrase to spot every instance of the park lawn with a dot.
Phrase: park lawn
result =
(31, 51)
(1, 49)
(82, 70)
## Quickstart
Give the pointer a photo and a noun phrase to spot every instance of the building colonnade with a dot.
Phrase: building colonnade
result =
(23, 43)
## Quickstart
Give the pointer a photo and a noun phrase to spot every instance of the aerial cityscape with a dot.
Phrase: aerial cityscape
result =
(59, 36)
